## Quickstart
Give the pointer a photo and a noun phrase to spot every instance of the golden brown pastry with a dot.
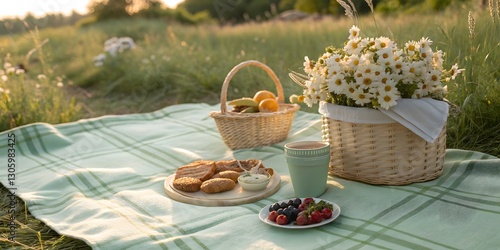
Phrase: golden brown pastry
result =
(228, 174)
(202, 169)
(187, 184)
(233, 165)
(217, 185)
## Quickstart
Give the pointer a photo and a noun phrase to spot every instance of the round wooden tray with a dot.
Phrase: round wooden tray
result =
(232, 197)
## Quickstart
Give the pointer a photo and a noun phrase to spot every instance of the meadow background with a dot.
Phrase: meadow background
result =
(186, 61)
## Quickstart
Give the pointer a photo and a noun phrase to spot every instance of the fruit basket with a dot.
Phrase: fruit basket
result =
(248, 130)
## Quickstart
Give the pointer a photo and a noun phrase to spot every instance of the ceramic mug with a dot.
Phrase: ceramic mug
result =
(308, 163)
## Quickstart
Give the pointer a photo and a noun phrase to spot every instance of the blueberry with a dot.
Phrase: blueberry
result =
(296, 202)
(294, 214)
(283, 204)
(275, 206)
(289, 203)
(287, 212)
(280, 211)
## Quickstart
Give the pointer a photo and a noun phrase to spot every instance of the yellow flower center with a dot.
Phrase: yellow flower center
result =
(367, 81)
(387, 98)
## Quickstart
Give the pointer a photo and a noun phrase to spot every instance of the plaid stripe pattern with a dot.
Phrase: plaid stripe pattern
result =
(101, 180)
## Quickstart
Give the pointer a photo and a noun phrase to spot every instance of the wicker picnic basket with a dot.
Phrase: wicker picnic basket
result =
(249, 130)
(382, 154)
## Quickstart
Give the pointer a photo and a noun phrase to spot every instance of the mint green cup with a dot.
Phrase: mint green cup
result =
(308, 163)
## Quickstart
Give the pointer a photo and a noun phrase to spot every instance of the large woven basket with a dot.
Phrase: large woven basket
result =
(249, 130)
(382, 154)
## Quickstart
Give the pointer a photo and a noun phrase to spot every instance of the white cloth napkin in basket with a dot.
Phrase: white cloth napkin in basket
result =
(426, 117)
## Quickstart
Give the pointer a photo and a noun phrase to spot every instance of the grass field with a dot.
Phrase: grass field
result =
(178, 64)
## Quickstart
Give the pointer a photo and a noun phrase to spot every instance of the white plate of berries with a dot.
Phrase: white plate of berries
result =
(300, 213)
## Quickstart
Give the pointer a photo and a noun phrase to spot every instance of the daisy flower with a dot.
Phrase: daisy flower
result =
(352, 62)
(412, 47)
(361, 98)
(334, 70)
(425, 44)
(437, 60)
(454, 71)
(353, 32)
(387, 99)
(375, 73)
(433, 77)
(385, 57)
(387, 86)
(383, 43)
(308, 65)
(337, 84)
(353, 46)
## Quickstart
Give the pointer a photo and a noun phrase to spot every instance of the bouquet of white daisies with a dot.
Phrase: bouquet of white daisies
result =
(374, 73)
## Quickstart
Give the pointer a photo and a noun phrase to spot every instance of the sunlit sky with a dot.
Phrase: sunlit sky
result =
(19, 8)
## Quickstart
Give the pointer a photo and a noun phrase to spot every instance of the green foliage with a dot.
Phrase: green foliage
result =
(25, 99)
(110, 9)
(478, 94)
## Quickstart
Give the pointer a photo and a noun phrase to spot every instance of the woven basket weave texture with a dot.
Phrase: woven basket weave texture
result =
(249, 130)
(382, 154)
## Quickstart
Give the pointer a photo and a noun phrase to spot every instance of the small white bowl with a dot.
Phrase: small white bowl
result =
(254, 182)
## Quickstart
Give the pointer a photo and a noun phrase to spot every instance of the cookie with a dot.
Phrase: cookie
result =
(187, 184)
(217, 185)
(228, 174)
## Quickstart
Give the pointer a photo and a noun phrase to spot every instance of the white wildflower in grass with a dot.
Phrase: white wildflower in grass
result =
(20, 71)
(42, 77)
(2, 90)
(454, 71)
(375, 73)
(60, 84)
(4, 78)
(7, 65)
(10, 70)
(37, 85)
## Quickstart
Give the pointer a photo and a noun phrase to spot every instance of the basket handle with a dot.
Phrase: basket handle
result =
(223, 94)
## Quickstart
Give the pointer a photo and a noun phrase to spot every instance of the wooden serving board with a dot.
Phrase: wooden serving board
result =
(236, 196)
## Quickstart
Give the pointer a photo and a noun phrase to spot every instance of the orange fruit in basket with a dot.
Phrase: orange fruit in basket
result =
(268, 105)
(263, 94)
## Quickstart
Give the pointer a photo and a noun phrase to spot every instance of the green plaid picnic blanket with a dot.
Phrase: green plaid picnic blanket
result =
(101, 180)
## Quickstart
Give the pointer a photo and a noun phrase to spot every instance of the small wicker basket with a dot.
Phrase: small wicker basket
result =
(382, 154)
(249, 130)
